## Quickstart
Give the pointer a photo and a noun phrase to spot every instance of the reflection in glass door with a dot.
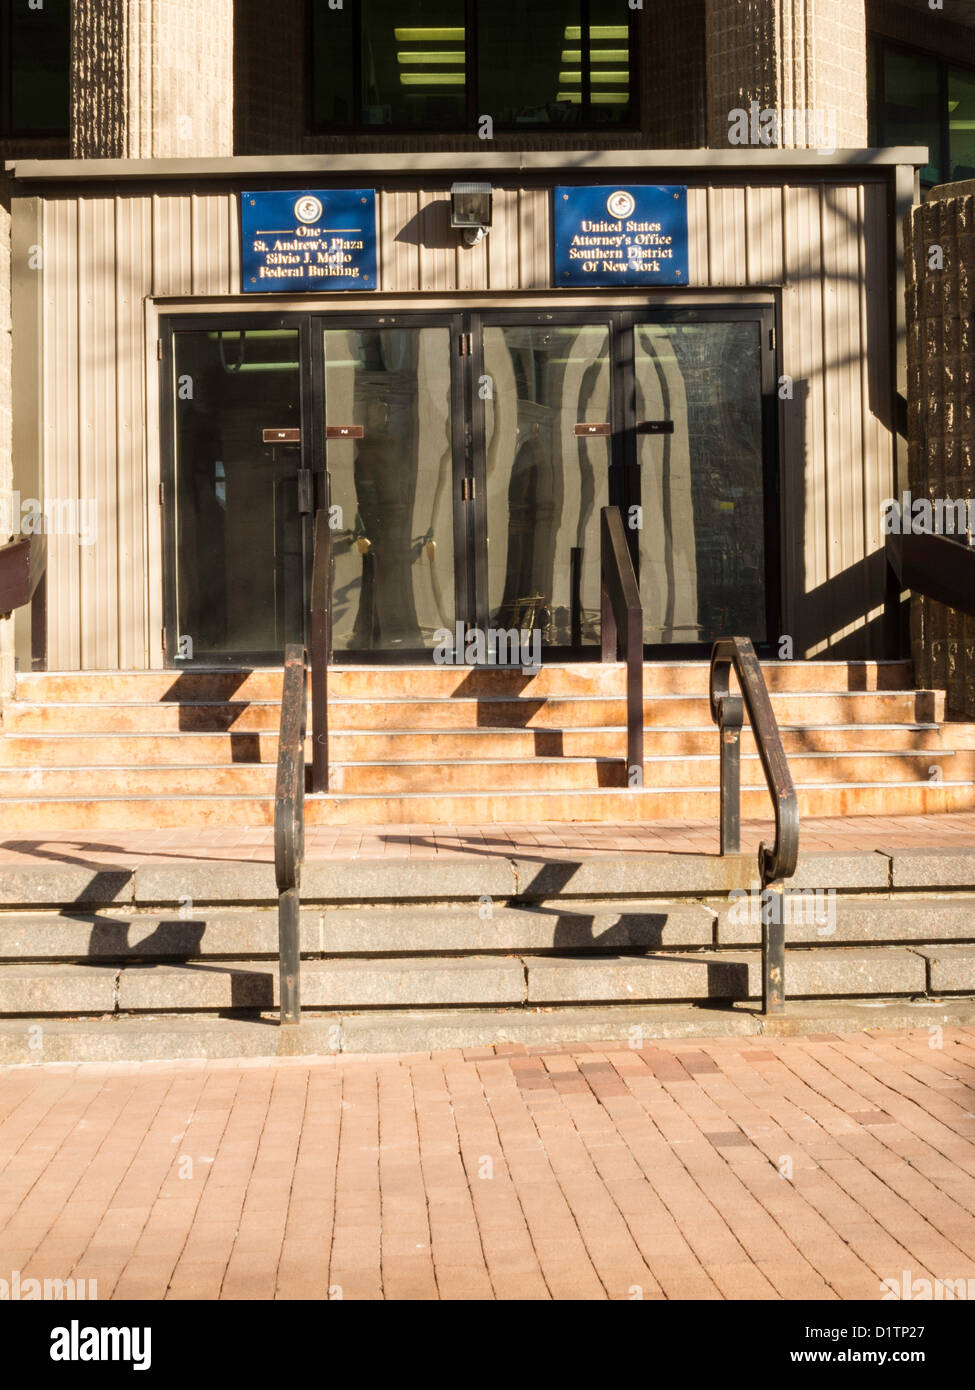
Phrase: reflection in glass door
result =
(239, 584)
(699, 442)
(390, 459)
(547, 439)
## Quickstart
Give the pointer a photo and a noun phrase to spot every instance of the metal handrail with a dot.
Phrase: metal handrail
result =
(938, 566)
(778, 862)
(622, 630)
(289, 825)
(23, 581)
(320, 636)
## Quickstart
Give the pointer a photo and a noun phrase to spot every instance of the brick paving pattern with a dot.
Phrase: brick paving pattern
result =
(553, 841)
(802, 1168)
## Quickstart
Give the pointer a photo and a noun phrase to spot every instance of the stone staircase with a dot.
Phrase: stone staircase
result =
(109, 750)
(179, 959)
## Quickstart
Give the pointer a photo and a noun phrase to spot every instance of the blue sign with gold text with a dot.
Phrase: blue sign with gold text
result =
(621, 235)
(317, 240)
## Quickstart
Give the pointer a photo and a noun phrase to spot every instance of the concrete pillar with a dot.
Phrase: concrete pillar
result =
(788, 56)
(152, 79)
(940, 274)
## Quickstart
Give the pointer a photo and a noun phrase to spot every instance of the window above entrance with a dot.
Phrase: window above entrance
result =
(35, 42)
(446, 65)
(916, 98)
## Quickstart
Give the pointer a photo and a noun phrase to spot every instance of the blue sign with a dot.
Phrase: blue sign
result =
(313, 240)
(624, 236)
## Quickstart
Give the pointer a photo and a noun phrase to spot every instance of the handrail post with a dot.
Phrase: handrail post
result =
(730, 715)
(621, 617)
(320, 653)
(773, 948)
(289, 827)
(777, 862)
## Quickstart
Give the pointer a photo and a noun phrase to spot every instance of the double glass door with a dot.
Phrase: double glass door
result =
(464, 459)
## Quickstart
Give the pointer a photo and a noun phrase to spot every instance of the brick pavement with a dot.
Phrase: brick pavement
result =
(802, 1168)
(552, 841)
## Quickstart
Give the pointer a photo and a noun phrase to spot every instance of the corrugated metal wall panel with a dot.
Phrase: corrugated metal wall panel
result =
(133, 267)
(97, 437)
(825, 245)
(59, 436)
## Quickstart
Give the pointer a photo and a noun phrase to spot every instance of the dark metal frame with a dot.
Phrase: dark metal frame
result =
(472, 108)
(468, 444)
(289, 827)
(311, 458)
(778, 861)
(621, 630)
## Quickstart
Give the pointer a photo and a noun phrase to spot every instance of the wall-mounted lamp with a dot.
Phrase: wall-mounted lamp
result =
(470, 209)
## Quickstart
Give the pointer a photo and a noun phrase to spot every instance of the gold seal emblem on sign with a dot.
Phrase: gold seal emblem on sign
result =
(308, 208)
(620, 204)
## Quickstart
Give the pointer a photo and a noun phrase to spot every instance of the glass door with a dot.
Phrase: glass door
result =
(237, 497)
(542, 465)
(393, 436)
(702, 396)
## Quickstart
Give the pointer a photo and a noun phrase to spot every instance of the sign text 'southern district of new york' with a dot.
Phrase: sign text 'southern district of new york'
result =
(607, 235)
(312, 240)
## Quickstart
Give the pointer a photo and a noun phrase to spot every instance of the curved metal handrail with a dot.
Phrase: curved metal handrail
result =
(289, 825)
(779, 860)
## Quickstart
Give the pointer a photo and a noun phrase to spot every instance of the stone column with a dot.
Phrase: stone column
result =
(940, 272)
(6, 457)
(152, 79)
(788, 56)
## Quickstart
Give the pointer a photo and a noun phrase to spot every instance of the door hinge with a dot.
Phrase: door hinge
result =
(164, 644)
(771, 339)
(159, 352)
(465, 346)
(162, 494)
(468, 490)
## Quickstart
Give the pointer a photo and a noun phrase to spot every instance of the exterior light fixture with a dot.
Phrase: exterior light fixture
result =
(470, 209)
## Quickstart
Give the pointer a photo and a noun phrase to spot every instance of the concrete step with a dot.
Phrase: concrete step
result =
(454, 981)
(188, 748)
(814, 918)
(495, 876)
(122, 812)
(592, 677)
(660, 772)
(556, 712)
(116, 936)
(467, 775)
(140, 1037)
